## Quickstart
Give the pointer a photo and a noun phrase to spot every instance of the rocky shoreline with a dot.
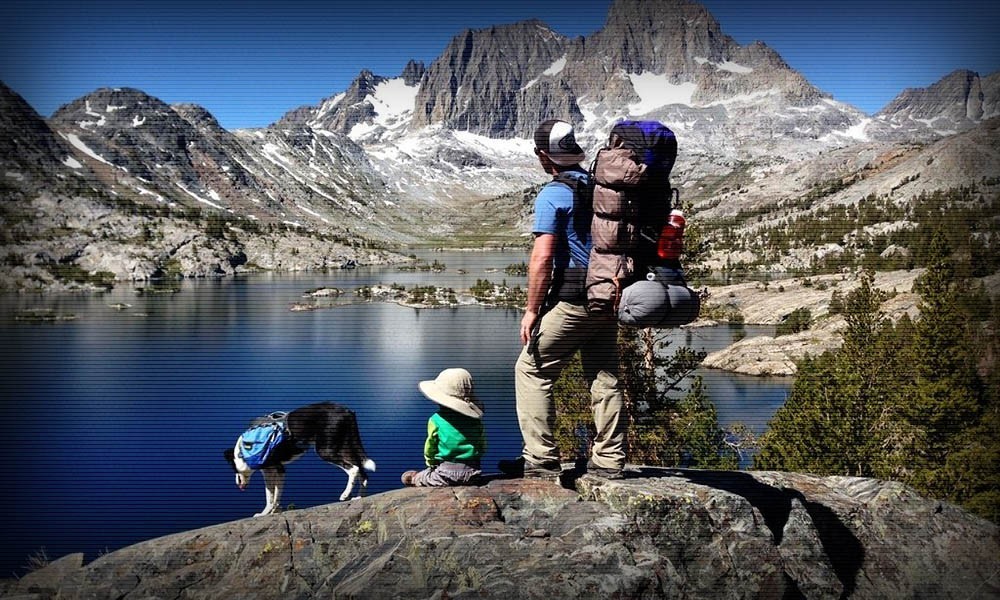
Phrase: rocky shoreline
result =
(80, 244)
(772, 302)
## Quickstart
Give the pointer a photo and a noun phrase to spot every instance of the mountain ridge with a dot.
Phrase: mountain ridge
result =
(404, 159)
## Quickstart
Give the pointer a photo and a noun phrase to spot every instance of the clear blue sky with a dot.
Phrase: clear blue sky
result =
(250, 62)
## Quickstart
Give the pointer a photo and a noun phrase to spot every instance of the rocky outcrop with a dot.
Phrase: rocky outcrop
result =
(658, 533)
(771, 304)
(96, 239)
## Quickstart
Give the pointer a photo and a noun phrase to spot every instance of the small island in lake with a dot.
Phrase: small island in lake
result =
(483, 293)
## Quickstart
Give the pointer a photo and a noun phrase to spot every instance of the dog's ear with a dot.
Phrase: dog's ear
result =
(228, 455)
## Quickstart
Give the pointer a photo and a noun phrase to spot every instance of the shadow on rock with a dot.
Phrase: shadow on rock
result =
(843, 549)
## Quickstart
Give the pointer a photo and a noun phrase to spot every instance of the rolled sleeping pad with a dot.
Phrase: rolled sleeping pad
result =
(658, 303)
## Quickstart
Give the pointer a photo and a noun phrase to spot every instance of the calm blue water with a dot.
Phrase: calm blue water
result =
(116, 421)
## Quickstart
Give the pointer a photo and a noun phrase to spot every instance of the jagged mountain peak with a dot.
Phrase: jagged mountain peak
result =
(484, 81)
(663, 36)
(362, 86)
(413, 72)
(954, 103)
(371, 106)
(514, 46)
(957, 86)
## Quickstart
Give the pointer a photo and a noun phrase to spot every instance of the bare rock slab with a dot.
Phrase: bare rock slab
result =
(658, 533)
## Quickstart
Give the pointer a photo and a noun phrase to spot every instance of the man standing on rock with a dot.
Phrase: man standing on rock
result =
(556, 322)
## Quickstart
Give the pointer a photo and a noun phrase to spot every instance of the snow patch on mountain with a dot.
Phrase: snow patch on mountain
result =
(77, 143)
(749, 98)
(199, 198)
(329, 105)
(144, 192)
(728, 65)
(498, 148)
(310, 211)
(392, 99)
(856, 131)
(733, 67)
(392, 102)
(656, 90)
(554, 69)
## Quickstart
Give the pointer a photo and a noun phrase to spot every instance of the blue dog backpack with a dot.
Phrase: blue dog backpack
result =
(258, 442)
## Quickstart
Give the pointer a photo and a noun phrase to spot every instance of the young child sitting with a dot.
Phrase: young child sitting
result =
(456, 439)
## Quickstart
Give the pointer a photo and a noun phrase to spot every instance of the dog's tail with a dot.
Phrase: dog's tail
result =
(360, 457)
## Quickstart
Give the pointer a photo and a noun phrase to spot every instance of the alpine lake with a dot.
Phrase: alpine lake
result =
(119, 405)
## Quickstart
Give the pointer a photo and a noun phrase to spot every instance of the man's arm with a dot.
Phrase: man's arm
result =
(539, 276)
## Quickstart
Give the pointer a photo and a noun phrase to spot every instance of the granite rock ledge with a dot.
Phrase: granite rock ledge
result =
(659, 533)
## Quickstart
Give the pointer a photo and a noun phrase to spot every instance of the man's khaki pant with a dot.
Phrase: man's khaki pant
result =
(564, 330)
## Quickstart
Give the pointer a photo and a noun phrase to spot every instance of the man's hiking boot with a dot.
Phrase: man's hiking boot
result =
(407, 477)
(522, 468)
(606, 473)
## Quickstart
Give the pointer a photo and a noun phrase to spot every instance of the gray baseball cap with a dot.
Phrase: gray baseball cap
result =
(557, 140)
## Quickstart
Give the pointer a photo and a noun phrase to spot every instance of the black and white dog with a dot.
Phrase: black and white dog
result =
(329, 428)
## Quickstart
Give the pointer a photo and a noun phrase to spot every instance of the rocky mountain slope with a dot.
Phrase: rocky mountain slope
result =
(760, 200)
(656, 534)
(32, 155)
(148, 148)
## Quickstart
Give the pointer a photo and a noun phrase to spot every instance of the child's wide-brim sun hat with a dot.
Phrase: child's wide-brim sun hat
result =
(453, 389)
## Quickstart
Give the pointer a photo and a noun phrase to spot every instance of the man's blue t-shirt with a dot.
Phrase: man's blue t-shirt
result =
(554, 214)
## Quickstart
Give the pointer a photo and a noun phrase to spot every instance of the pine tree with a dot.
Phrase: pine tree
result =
(668, 425)
(972, 469)
(832, 422)
(945, 396)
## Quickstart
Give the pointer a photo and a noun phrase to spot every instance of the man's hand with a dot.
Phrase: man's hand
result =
(528, 325)
(539, 275)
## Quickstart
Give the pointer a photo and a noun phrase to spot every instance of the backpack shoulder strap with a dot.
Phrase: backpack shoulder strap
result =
(583, 197)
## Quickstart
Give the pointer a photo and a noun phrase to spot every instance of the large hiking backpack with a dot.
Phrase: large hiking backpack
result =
(631, 201)
(261, 439)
